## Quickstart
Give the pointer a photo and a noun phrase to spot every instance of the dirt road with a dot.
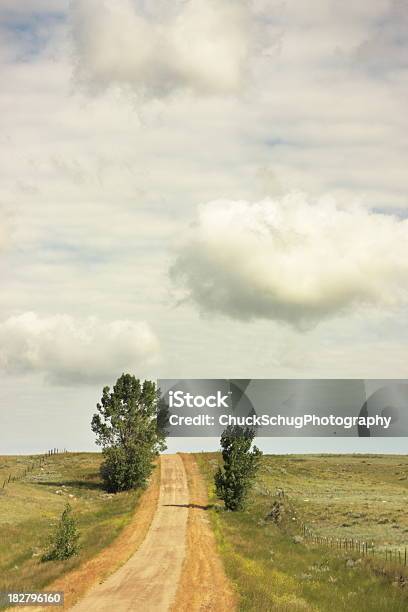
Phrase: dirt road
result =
(148, 581)
(203, 584)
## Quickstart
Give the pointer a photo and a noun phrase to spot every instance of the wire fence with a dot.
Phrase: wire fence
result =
(362, 548)
(37, 462)
(395, 556)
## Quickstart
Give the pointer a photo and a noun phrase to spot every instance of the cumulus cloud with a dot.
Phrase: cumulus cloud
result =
(202, 46)
(68, 351)
(95, 191)
(292, 259)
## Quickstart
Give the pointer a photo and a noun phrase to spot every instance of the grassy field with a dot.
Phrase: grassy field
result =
(363, 497)
(30, 508)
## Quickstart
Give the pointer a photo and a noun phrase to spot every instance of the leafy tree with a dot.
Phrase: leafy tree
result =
(234, 480)
(64, 543)
(127, 427)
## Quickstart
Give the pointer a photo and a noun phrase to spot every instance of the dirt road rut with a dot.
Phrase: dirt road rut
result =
(148, 581)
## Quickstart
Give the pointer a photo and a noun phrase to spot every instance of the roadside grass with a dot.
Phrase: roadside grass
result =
(30, 509)
(272, 572)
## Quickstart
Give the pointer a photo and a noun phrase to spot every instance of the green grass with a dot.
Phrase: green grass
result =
(336, 496)
(30, 509)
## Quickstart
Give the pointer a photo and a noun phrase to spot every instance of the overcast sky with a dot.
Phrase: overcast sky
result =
(197, 188)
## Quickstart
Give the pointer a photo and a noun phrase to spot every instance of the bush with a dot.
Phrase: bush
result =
(234, 480)
(64, 543)
(124, 469)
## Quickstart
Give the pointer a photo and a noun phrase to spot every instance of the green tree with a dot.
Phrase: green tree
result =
(233, 481)
(127, 427)
(64, 543)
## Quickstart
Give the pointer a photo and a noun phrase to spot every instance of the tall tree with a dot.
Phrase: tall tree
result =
(233, 481)
(127, 427)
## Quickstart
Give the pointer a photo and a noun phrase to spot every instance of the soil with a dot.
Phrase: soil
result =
(203, 584)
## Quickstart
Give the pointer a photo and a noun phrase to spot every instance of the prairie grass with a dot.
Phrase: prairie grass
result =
(30, 508)
(272, 572)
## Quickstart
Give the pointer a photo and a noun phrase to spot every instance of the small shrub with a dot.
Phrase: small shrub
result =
(64, 543)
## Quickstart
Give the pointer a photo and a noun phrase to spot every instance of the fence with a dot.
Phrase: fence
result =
(37, 462)
(362, 548)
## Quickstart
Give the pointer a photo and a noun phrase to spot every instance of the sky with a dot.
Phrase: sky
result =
(197, 189)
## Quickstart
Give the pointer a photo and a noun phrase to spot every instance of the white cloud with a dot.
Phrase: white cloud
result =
(68, 350)
(292, 259)
(95, 187)
(203, 47)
